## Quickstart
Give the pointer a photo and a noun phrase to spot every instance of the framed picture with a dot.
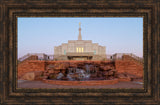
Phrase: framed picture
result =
(80, 63)
(79, 52)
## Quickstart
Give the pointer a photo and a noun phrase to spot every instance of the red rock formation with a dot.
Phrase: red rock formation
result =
(130, 69)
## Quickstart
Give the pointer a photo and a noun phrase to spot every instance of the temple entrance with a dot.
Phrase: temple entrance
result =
(80, 57)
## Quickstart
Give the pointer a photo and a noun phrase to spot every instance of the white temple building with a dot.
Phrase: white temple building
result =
(79, 50)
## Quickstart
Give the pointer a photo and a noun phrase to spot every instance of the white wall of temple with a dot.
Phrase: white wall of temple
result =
(82, 46)
(71, 47)
(58, 50)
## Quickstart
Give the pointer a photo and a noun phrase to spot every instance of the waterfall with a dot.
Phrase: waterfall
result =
(82, 74)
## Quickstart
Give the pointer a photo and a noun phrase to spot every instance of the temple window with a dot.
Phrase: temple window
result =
(64, 52)
(79, 49)
(94, 51)
(82, 49)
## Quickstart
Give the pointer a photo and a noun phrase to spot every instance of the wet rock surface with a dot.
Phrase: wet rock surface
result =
(81, 71)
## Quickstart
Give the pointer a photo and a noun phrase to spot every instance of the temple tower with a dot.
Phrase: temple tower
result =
(79, 36)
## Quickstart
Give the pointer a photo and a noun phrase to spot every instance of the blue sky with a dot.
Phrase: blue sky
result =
(118, 34)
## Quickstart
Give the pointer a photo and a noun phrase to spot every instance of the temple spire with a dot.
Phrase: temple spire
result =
(79, 36)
